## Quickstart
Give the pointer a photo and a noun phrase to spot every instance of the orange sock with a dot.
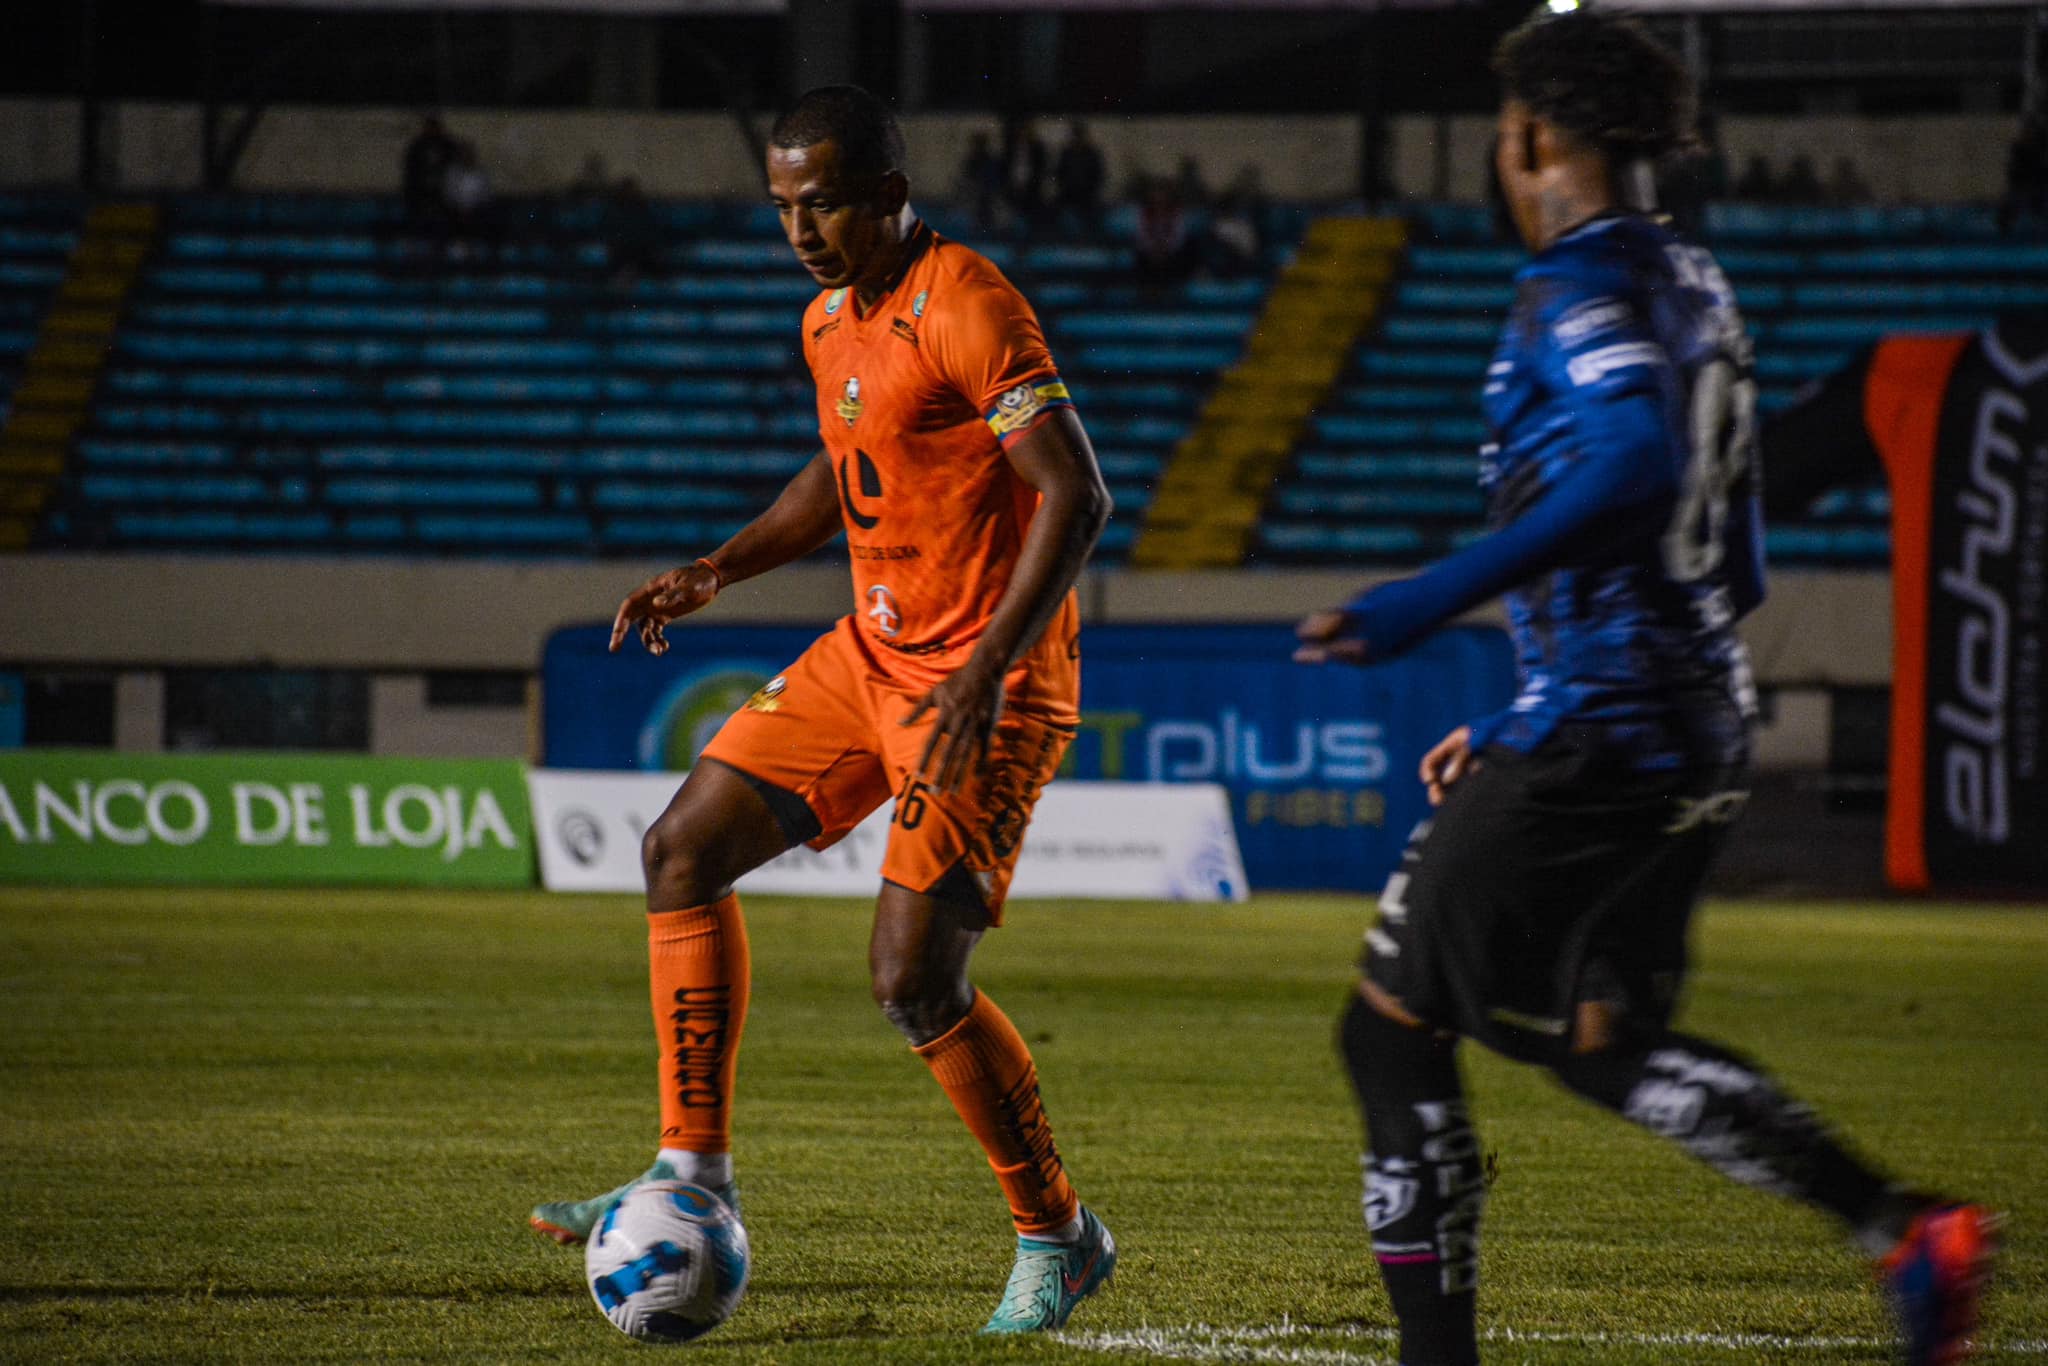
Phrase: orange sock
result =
(989, 1076)
(698, 968)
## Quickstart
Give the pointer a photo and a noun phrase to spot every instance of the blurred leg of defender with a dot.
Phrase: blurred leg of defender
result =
(1544, 912)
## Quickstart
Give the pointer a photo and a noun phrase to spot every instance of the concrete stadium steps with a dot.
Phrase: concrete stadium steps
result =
(61, 366)
(1207, 509)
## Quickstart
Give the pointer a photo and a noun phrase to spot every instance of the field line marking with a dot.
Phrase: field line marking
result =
(1266, 1342)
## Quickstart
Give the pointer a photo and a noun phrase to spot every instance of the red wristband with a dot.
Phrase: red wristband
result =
(716, 576)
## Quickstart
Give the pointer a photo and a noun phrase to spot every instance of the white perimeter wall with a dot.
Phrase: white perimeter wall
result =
(136, 615)
(126, 611)
(152, 146)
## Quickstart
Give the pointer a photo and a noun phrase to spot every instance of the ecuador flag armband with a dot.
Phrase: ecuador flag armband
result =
(1020, 407)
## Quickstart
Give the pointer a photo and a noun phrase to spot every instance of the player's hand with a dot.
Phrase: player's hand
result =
(661, 600)
(1329, 637)
(1447, 761)
(969, 702)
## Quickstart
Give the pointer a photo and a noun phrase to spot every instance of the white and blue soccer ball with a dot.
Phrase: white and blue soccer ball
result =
(668, 1263)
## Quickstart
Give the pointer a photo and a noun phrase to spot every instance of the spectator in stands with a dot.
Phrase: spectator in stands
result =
(424, 172)
(593, 182)
(2026, 177)
(1078, 178)
(1757, 182)
(1846, 184)
(1236, 239)
(981, 182)
(1165, 250)
(471, 204)
(1801, 184)
(632, 233)
(1189, 185)
(1711, 176)
(1024, 173)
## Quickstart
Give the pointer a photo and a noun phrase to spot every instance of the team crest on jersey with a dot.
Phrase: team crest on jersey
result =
(838, 298)
(883, 611)
(917, 304)
(850, 407)
(768, 697)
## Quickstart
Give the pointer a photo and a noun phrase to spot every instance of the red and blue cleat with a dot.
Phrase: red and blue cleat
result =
(1935, 1279)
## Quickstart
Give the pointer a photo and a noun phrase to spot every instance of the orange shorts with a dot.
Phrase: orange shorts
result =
(828, 731)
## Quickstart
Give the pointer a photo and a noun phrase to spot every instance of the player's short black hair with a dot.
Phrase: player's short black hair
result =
(870, 142)
(1604, 80)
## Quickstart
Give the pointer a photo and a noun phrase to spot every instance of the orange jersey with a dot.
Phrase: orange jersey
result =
(916, 398)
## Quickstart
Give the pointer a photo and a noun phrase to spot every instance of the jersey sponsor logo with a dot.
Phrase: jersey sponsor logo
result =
(886, 552)
(870, 487)
(832, 304)
(882, 610)
(1589, 319)
(849, 406)
(917, 304)
(768, 697)
(1596, 365)
(1021, 406)
(903, 331)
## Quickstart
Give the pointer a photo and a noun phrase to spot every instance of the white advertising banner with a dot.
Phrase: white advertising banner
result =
(1130, 841)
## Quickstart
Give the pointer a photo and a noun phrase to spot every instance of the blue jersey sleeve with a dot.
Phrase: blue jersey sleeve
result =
(1593, 352)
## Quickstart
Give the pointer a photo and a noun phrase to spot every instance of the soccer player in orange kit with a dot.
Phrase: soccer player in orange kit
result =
(970, 497)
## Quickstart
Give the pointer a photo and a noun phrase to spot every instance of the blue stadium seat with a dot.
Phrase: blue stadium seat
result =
(631, 496)
(640, 532)
(1492, 297)
(1133, 326)
(187, 488)
(1408, 398)
(1118, 463)
(1320, 501)
(496, 491)
(1431, 330)
(1368, 540)
(566, 532)
(99, 452)
(1493, 263)
(1162, 359)
(1376, 466)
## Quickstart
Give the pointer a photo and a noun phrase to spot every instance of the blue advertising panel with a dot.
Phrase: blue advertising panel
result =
(1320, 762)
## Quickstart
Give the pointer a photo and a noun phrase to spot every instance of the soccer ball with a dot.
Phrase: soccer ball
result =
(668, 1263)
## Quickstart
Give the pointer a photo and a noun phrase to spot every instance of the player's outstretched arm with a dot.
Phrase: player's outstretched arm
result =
(1055, 458)
(803, 517)
(1611, 491)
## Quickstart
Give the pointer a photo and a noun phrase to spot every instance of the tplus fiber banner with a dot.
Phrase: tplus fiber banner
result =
(1318, 763)
(78, 816)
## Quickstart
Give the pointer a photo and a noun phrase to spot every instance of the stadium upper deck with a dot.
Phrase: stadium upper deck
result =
(298, 372)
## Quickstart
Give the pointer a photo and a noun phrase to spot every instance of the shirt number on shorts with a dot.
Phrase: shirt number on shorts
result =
(910, 803)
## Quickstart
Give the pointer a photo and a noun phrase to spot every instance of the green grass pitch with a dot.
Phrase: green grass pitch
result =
(307, 1127)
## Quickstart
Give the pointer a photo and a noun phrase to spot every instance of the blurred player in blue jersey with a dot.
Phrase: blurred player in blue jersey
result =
(1543, 910)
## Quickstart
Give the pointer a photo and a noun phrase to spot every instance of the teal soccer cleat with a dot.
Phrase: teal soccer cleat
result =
(1049, 1279)
(570, 1221)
